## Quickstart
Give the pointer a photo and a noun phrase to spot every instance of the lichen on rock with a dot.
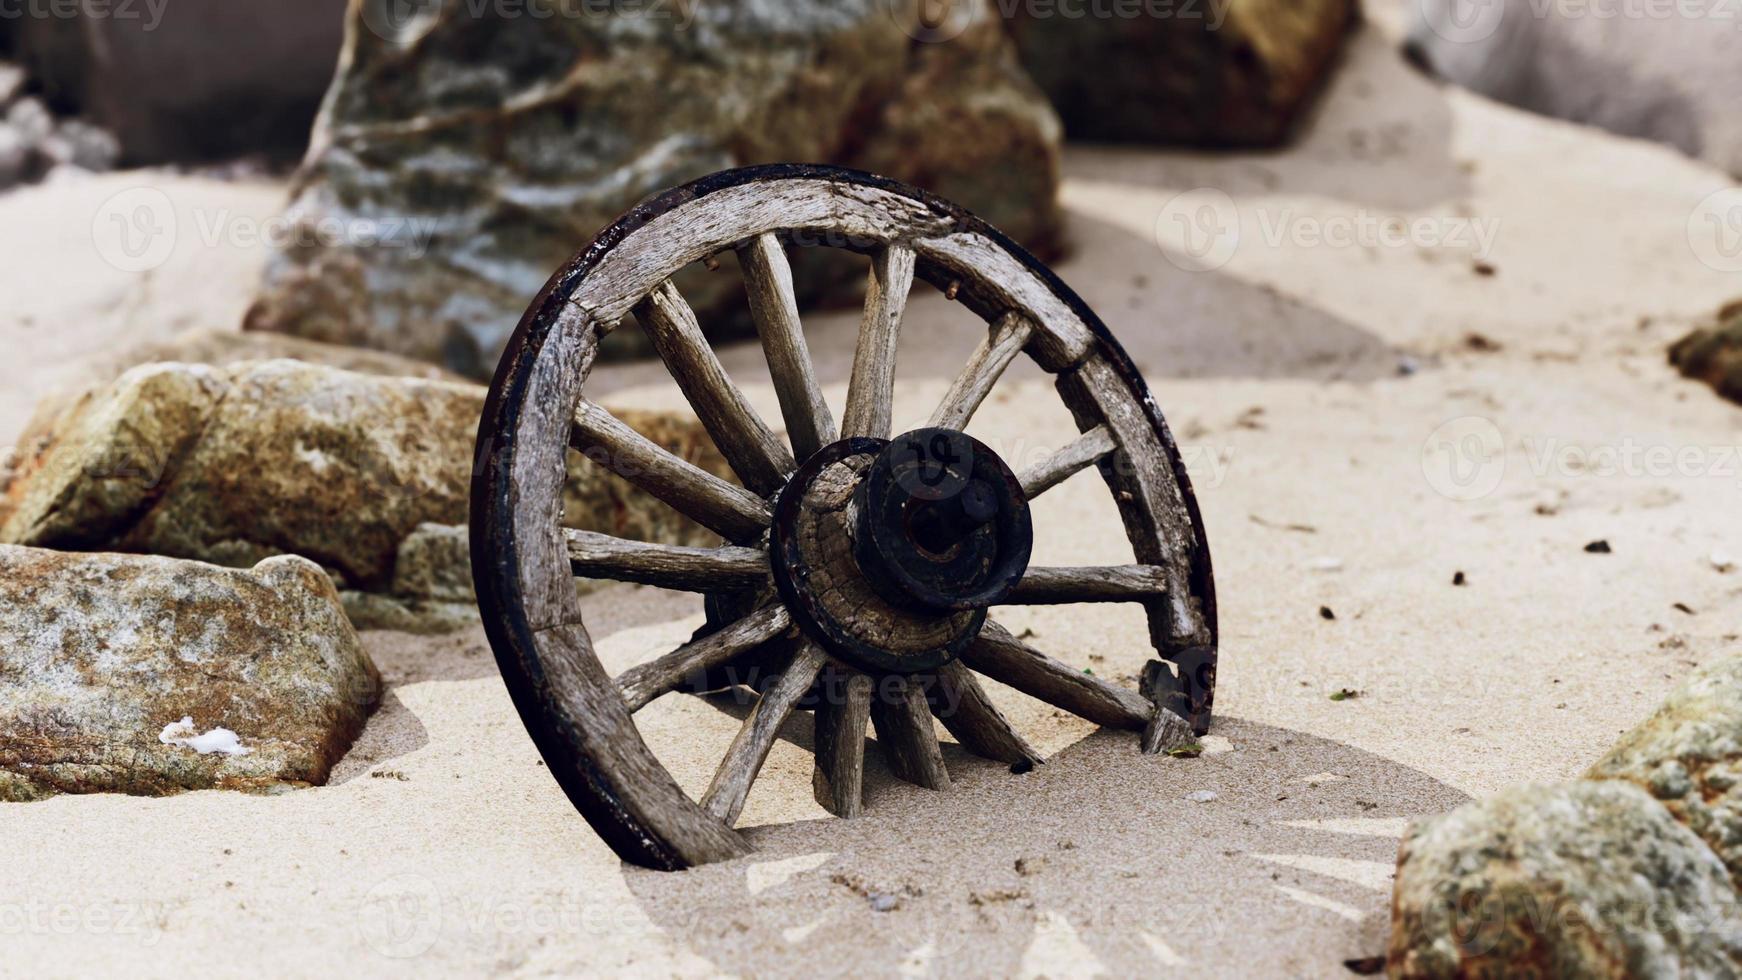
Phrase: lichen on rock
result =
(102, 656)
(1590, 879)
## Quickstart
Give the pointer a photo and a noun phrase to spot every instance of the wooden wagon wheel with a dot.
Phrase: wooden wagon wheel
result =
(857, 569)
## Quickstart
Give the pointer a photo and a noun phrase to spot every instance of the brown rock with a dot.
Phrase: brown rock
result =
(1713, 355)
(1227, 73)
(102, 656)
(1575, 880)
(502, 143)
(1689, 756)
(368, 475)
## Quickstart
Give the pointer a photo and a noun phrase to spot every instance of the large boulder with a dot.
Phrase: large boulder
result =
(193, 79)
(237, 463)
(1663, 72)
(464, 152)
(1689, 756)
(146, 675)
(1713, 354)
(1215, 73)
(1575, 880)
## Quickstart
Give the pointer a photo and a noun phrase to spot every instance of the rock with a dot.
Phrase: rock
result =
(151, 676)
(11, 83)
(1713, 355)
(502, 144)
(1226, 73)
(191, 80)
(1581, 879)
(1666, 76)
(31, 120)
(367, 475)
(77, 143)
(1689, 755)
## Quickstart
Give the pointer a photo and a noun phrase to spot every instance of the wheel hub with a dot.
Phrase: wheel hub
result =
(889, 552)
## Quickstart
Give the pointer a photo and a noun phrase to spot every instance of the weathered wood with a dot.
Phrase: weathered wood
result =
(732, 511)
(643, 683)
(1167, 730)
(871, 391)
(1008, 660)
(841, 715)
(1042, 585)
(664, 565)
(732, 781)
(755, 453)
(904, 732)
(1004, 340)
(1078, 454)
(961, 704)
(768, 281)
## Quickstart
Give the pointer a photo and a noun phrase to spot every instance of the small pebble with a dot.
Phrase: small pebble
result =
(1027, 866)
(1458, 579)
(1598, 548)
(1201, 796)
(1325, 613)
(883, 902)
(1326, 564)
(1723, 562)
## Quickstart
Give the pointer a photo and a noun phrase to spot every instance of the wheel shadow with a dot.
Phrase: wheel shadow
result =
(1101, 858)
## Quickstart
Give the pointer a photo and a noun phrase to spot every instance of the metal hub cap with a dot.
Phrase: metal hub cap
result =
(888, 553)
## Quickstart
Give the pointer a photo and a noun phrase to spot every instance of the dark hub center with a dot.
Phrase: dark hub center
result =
(940, 523)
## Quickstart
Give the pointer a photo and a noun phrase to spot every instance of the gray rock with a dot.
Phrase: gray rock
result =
(106, 655)
(1689, 755)
(1672, 76)
(1575, 880)
(77, 143)
(237, 463)
(31, 120)
(1216, 73)
(468, 153)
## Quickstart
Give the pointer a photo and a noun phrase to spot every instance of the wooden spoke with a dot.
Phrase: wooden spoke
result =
(735, 513)
(1106, 583)
(905, 733)
(768, 280)
(1082, 451)
(1008, 660)
(960, 702)
(1003, 342)
(841, 714)
(663, 565)
(731, 785)
(641, 684)
(756, 455)
(871, 392)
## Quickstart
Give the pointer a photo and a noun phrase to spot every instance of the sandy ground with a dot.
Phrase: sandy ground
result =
(1328, 477)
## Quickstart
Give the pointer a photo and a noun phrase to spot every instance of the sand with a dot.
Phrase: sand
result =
(443, 847)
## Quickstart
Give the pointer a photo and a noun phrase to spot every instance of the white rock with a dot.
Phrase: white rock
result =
(1201, 796)
(220, 740)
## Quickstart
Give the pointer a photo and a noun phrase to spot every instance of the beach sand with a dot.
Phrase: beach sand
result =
(443, 846)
